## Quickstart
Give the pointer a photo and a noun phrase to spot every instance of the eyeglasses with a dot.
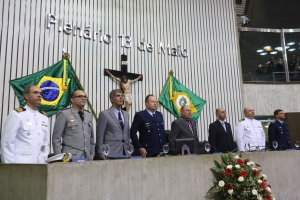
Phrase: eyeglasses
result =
(80, 96)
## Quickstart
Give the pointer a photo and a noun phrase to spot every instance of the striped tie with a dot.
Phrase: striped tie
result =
(190, 125)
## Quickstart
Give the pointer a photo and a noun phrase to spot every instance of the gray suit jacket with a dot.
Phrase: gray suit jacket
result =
(77, 135)
(109, 131)
(181, 130)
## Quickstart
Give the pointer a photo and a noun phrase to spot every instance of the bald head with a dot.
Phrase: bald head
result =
(249, 112)
(221, 114)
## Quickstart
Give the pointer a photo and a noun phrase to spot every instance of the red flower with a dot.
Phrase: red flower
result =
(257, 165)
(263, 185)
(240, 161)
(233, 178)
(228, 187)
(268, 197)
(256, 172)
(269, 186)
(243, 173)
(223, 174)
(246, 160)
(228, 171)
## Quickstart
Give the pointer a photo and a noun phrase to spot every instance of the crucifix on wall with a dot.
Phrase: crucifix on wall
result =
(123, 78)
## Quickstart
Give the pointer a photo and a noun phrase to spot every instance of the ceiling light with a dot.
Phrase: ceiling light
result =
(263, 54)
(273, 52)
(293, 49)
(268, 48)
(259, 50)
(278, 48)
(291, 43)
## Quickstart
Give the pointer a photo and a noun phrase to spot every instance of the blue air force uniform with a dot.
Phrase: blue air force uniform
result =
(151, 132)
(279, 132)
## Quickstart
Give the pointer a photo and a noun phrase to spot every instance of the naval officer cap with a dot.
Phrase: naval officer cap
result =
(63, 157)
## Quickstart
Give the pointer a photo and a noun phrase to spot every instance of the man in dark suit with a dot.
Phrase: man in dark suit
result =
(183, 127)
(220, 134)
(150, 124)
(113, 127)
(279, 130)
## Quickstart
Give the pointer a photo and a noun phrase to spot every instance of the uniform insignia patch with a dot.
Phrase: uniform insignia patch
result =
(241, 120)
(42, 112)
(20, 109)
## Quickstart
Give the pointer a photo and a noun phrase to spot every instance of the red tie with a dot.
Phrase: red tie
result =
(190, 125)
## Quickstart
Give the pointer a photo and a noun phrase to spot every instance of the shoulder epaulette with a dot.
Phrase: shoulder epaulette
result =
(87, 111)
(241, 120)
(65, 108)
(20, 109)
(42, 112)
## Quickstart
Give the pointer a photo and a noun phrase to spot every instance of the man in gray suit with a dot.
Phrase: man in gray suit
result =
(74, 126)
(113, 127)
(183, 127)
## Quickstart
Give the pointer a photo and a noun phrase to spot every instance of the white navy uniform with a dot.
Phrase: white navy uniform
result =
(250, 133)
(25, 131)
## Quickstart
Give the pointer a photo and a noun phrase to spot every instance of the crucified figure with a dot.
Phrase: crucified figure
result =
(125, 84)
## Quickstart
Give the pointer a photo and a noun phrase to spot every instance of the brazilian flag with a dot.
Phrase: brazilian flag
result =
(175, 95)
(56, 82)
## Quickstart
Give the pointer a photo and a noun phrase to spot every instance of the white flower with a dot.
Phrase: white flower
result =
(264, 176)
(241, 179)
(273, 198)
(229, 166)
(259, 181)
(230, 192)
(259, 198)
(249, 163)
(254, 192)
(236, 157)
(221, 183)
(254, 169)
(237, 166)
(269, 189)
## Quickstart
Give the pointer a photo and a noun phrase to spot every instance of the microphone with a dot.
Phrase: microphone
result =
(284, 147)
(76, 149)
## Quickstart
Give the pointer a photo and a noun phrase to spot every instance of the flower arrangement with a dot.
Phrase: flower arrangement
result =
(239, 179)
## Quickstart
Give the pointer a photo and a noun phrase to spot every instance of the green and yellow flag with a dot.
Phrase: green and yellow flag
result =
(175, 95)
(56, 82)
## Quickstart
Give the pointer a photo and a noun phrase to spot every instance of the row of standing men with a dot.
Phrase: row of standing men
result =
(26, 130)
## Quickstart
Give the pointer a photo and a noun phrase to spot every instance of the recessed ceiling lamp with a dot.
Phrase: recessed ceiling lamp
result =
(273, 52)
(293, 49)
(278, 48)
(263, 54)
(259, 50)
(268, 48)
(291, 43)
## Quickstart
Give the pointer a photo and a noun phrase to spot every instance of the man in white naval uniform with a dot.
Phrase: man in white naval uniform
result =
(25, 136)
(249, 132)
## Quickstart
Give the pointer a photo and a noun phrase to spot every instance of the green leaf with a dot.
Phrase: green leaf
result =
(223, 165)
(217, 164)
(240, 154)
(216, 174)
(213, 190)
(225, 159)
(231, 157)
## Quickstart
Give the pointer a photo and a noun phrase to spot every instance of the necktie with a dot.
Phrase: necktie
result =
(190, 126)
(224, 126)
(81, 115)
(120, 120)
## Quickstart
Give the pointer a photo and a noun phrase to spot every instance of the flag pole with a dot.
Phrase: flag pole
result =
(67, 57)
(170, 74)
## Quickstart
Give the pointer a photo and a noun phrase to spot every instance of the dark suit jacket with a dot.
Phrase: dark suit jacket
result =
(151, 130)
(219, 139)
(180, 130)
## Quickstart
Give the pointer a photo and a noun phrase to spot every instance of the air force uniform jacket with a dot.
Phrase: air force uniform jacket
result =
(25, 131)
(279, 132)
(249, 135)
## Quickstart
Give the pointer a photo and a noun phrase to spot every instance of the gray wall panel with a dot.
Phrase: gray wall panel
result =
(206, 28)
